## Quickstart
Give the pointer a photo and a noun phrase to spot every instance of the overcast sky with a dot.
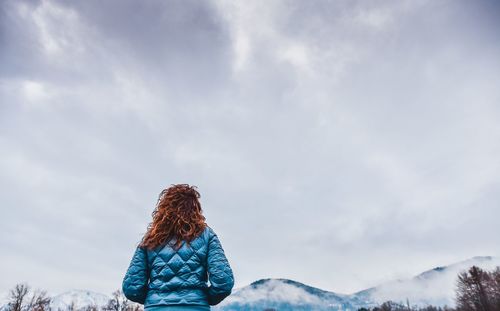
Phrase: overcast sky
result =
(336, 143)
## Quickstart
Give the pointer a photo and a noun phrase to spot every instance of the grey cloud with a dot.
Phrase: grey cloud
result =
(337, 144)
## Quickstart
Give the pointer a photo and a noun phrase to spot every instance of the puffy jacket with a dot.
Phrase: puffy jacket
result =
(164, 276)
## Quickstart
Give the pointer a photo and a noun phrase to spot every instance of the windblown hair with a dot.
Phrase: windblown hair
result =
(177, 216)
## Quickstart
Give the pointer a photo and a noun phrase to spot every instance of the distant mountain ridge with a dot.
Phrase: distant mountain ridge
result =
(284, 294)
(432, 287)
(435, 287)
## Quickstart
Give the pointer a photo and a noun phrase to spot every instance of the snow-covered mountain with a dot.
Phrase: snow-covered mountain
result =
(284, 294)
(81, 299)
(436, 286)
(4, 300)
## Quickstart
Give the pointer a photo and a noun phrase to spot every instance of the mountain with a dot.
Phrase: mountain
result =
(284, 294)
(81, 299)
(435, 286)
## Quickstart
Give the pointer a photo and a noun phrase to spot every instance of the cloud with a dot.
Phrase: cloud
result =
(323, 132)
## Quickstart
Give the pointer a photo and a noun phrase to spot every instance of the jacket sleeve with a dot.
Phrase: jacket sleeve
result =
(220, 273)
(135, 282)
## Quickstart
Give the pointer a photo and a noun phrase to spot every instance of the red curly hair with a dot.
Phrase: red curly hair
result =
(177, 216)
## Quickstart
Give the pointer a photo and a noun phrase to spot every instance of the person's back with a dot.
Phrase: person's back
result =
(170, 273)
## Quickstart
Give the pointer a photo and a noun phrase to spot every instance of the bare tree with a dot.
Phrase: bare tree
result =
(39, 301)
(478, 290)
(20, 299)
(18, 296)
(495, 288)
(72, 306)
(135, 307)
(118, 302)
(92, 307)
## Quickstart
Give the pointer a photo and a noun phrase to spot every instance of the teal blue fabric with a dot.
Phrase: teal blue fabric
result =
(179, 308)
(165, 277)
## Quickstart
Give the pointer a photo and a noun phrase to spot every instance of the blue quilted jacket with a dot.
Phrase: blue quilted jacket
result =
(164, 276)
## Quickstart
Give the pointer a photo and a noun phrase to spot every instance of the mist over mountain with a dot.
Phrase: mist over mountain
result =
(432, 287)
(284, 294)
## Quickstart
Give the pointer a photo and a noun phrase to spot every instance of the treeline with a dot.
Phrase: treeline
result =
(394, 306)
(21, 298)
(476, 290)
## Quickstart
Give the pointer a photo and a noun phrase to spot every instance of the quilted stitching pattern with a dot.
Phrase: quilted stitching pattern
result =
(165, 276)
(221, 275)
(135, 281)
